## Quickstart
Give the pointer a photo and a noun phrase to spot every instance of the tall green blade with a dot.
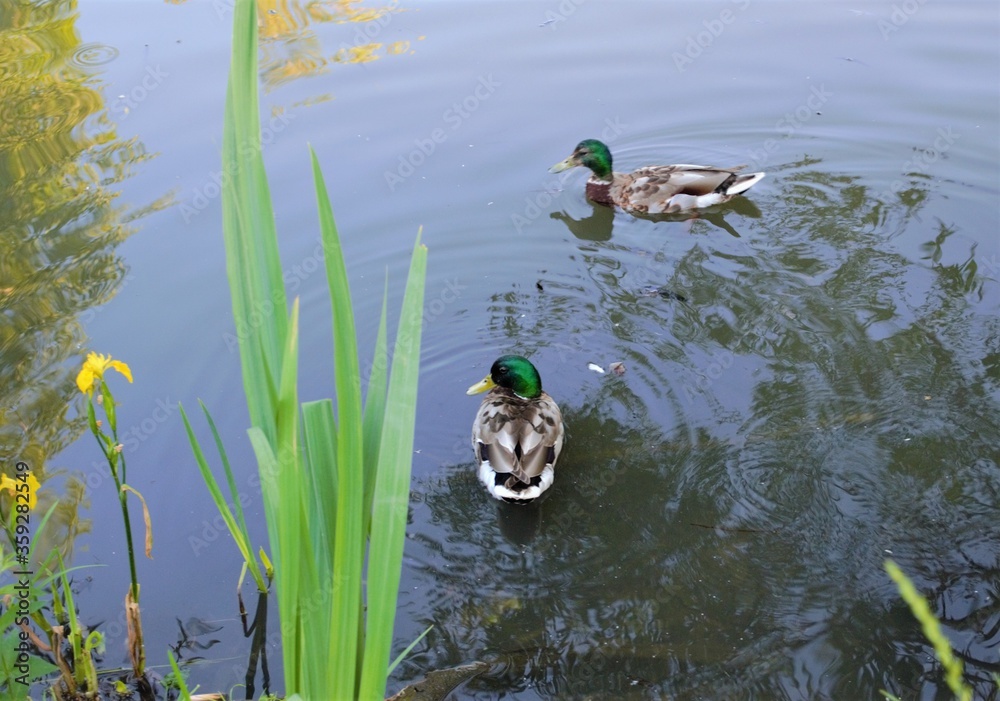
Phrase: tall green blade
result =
(291, 635)
(320, 431)
(375, 408)
(298, 575)
(348, 549)
(392, 485)
(252, 262)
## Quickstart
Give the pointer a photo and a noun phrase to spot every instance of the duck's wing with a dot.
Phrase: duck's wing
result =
(518, 436)
(658, 189)
(684, 178)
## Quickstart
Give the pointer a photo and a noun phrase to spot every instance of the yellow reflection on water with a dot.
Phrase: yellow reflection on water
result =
(59, 229)
(291, 50)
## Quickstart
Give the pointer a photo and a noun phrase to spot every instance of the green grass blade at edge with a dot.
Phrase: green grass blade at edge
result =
(392, 487)
(183, 693)
(348, 552)
(932, 630)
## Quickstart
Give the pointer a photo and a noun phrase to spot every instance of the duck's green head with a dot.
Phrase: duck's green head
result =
(514, 373)
(590, 153)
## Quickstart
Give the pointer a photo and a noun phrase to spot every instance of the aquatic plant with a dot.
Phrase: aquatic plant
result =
(89, 379)
(335, 486)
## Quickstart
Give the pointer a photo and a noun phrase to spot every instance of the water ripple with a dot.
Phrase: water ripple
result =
(91, 55)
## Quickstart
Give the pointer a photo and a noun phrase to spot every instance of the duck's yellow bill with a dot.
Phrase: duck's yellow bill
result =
(564, 165)
(481, 386)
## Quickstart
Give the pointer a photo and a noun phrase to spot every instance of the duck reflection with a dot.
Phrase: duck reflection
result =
(520, 523)
(598, 223)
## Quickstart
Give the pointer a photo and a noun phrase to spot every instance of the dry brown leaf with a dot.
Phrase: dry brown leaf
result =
(133, 620)
(146, 519)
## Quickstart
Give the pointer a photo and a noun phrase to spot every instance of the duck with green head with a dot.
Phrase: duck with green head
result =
(656, 189)
(518, 432)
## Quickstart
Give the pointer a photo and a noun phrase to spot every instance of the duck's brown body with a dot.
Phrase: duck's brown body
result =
(656, 189)
(669, 189)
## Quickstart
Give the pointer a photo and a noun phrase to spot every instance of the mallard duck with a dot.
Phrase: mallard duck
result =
(655, 189)
(518, 431)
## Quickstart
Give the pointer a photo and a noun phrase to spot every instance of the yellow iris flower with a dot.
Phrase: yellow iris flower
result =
(93, 370)
(10, 484)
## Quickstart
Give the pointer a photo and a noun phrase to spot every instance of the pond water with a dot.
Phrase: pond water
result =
(812, 372)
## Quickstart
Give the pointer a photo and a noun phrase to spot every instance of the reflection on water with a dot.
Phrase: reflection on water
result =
(290, 48)
(721, 513)
(60, 155)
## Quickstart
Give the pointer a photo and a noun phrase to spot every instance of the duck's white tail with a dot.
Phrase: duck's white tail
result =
(744, 183)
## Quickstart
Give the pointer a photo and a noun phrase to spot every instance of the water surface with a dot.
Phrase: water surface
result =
(816, 389)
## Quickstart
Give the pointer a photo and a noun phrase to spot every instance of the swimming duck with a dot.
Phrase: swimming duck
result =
(518, 431)
(655, 189)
